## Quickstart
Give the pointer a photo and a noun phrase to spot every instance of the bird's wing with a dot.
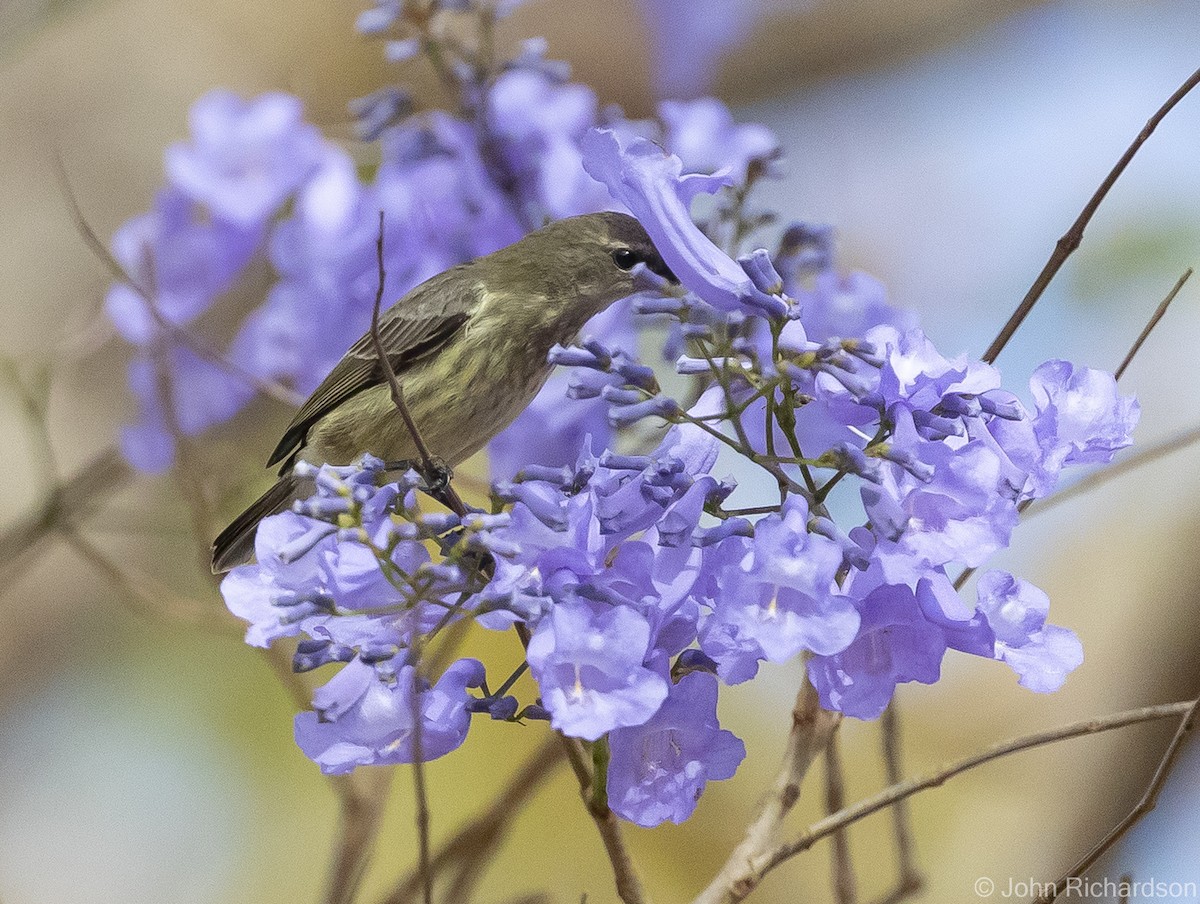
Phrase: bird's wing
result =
(416, 327)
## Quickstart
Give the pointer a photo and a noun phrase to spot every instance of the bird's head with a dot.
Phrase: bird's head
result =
(582, 263)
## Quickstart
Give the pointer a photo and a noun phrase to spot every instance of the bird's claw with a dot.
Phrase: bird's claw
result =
(435, 475)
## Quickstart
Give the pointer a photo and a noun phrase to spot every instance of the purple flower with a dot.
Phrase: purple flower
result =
(360, 720)
(537, 123)
(435, 183)
(658, 769)
(588, 665)
(245, 157)
(270, 593)
(896, 643)
(1041, 654)
(780, 599)
(915, 373)
(1080, 417)
(846, 306)
(704, 136)
(651, 184)
(937, 504)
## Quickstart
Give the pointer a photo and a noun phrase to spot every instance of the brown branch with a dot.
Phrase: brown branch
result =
(909, 881)
(888, 797)
(420, 791)
(450, 497)
(1151, 324)
(625, 874)
(270, 388)
(470, 849)
(1070, 240)
(358, 829)
(845, 885)
(146, 595)
(67, 504)
(418, 764)
(812, 727)
(1144, 806)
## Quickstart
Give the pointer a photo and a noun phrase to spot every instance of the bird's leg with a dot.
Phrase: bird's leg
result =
(435, 474)
(402, 465)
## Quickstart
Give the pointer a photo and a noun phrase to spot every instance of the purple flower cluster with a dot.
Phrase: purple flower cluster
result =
(628, 566)
(350, 570)
(257, 189)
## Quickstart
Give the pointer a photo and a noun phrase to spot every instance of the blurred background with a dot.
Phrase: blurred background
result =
(950, 142)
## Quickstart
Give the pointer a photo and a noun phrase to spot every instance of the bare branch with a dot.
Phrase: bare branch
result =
(420, 792)
(1144, 806)
(812, 727)
(629, 884)
(449, 496)
(889, 796)
(363, 797)
(148, 596)
(418, 763)
(471, 848)
(1152, 323)
(270, 388)
(65, 506)
(1066, 245)
(909, 881)
(845, 885)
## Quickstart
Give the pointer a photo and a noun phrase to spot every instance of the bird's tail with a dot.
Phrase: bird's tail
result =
(235, 545)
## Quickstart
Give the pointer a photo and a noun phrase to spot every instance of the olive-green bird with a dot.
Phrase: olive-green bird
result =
(469, 347)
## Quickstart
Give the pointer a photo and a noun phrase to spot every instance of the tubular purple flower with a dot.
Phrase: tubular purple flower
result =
(658, 770)
(588, 664)
(762, 272)
(657, 407)
(361, 721)
(650, 183)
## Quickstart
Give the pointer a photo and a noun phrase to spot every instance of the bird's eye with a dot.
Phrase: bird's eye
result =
(624, 258)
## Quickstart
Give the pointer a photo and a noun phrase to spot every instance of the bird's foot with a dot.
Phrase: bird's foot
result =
(435, 476)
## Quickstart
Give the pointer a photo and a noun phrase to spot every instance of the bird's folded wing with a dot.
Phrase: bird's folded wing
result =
(415, 328)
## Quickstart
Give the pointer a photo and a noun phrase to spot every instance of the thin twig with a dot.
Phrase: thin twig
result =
(889, 796)
(1144, 806)
(1147, 455)
(449, 496)
(812, 728)
(1152, 323)
(146, 595)
(270, 388)
(472, 847)
(909, 881)
(418, 765)
(362, 796)
(1070, 240)
(845, 885)
(65, 506)
(625, 874)
(420, 791)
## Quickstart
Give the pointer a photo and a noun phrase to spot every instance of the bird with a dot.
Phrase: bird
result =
(469, 348)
